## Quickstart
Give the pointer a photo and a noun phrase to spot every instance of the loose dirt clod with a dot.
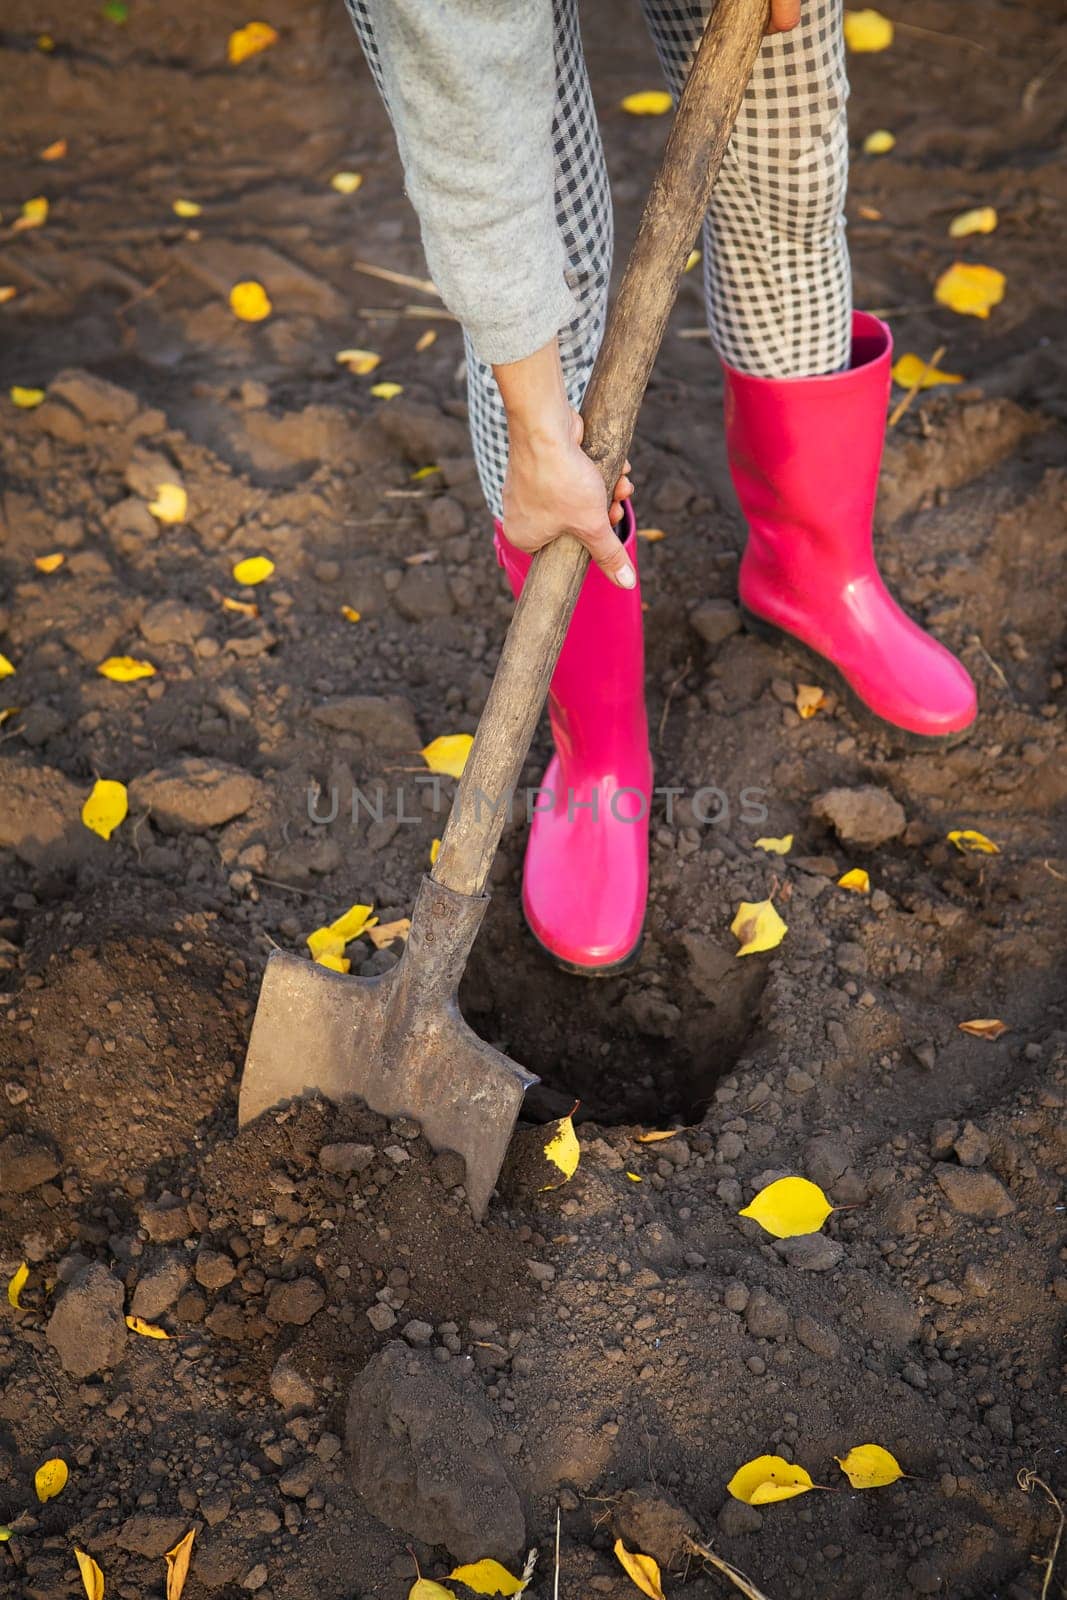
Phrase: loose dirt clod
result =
(423, 1456)
(87, 1329)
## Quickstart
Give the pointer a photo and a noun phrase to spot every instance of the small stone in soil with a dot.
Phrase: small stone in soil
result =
(296, 1302)
(975, 1194)
(25, 1163)
(290, 1388)
(87, 1329)
(214, 1269)
(865, 817)
(972, 1146)
(810, 1252)
(424, 1457)
(765, 1316)
(159, 1288)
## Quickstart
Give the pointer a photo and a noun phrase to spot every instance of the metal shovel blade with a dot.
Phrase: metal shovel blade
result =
(396, 1042)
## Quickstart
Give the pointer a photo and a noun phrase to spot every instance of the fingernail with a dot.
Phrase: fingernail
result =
(626, 577)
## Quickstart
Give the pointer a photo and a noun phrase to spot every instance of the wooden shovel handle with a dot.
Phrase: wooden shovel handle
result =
(672, 216)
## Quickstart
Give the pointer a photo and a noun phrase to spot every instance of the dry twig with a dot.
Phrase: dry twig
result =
(1026, 1478)
(423, 285)
(735, 1575)
(902, 406)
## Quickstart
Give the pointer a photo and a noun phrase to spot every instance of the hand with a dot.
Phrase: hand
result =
(551, 486)
(785, 15)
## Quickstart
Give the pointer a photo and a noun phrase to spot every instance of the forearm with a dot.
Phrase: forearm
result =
(535, 399)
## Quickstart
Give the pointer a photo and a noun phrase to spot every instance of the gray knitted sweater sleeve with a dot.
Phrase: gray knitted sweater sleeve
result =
(470, 86)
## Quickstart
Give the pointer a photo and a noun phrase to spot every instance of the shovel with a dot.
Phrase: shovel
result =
(398, 1042)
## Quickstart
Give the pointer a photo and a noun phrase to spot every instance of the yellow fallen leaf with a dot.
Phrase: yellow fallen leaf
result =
(970, 840)
(788, 1207)
(350, 613)
(324, 942)
(448, 753)
(351, 923)
(106, 807)
(647, 103)
(420, 558)
(359, 361)
(691, 260)
(386, 391)
(253, 570)
(642, 1569)
(870, 213)
(5, 1534)
(768, 1478)
(250, 41)
(148, 1330)
(327, 945)
(855, 879)
(250, 301)
(8, 711)
(125, 669)
(24, 398)
(487, 1577)
(243, 608)
(983, 1027)
(178, 1565)
(758, 927)
(423, 472)
(6, 668)
(16, 1284)
(435, 851)
(170, 504)
(51, 1479)
(7, 292)
(92, 1577)
(653, 535)
(335, 962)
(384, 933)
(426, 1589)
(868, 1466)
(879, 143)
(633, 1177)
(425, 340)
(810, 698)
(867, 30)
(775, 847)
(969, 289)
(346, 182)
(911, 371)
(983, 219)
(562, 1149)
(655, 1135)
(34, 214)
(54, 151)
(186, 208)
(50, 563)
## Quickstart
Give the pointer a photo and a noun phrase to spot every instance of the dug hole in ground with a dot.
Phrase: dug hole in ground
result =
(352, 1369)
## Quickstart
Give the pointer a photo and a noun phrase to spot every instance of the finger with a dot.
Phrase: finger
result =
(623, 489)
(785, 14)
(610, 557)
(615, 513)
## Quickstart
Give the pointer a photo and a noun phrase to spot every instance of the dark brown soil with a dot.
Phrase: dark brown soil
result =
(628, 1332)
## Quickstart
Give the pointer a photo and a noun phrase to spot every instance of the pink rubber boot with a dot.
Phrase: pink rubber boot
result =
(585, 879)
(805, 455)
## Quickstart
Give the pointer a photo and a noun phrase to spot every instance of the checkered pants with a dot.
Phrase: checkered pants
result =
(776, 271)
